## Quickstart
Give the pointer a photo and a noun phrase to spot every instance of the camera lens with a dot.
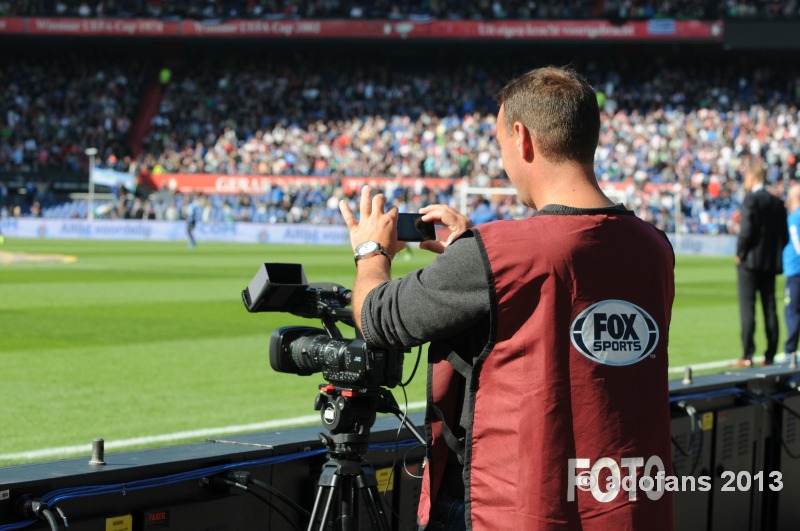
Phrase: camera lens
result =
(321, 353)
(304, 350)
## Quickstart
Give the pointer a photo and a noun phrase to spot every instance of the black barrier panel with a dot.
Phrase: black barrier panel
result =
(694, 406)
(728, 427)
(184, 488)
(221, 514)
(788, 504)
(736, 437)
(691, 460)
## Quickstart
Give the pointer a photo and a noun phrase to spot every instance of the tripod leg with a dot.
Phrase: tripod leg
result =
(329, 482)
(349, 510)
(327, 512)
(368, 486)
(328, 495)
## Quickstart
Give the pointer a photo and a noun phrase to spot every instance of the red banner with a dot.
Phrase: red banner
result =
(286, 28)
(120, 27)
(261, 184)
(577, 30)
(212, 183)
(566, 30)
(10, 26)
(461, 29)
(353, 184)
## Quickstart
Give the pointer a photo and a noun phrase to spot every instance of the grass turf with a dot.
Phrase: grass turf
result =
(147, 338)
(138, 339)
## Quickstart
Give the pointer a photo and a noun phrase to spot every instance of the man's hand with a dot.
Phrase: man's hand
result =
(449, 217)
(374, 224)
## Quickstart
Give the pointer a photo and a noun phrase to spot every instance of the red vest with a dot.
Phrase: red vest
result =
(569, 400)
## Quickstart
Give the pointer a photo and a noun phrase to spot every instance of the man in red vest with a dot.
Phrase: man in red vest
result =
(548, 388)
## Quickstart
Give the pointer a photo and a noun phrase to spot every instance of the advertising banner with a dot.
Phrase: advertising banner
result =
(287, 28)
(569, 30)
(174, 231)
(213, 183)
(705, 245)
(261, 184)
(10, 26)
(106, 27)
(285, 233)
(578, 30)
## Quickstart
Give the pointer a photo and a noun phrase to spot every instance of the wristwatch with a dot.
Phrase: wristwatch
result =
(370, 249)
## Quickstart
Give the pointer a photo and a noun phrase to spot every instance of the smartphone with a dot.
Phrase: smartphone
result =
(411, 228)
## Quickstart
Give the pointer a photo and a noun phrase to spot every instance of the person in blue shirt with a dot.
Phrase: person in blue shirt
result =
(192, 216)
(791, 269)
(483, 212)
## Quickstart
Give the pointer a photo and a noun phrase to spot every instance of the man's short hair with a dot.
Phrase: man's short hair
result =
(756, 168)
(559, 108)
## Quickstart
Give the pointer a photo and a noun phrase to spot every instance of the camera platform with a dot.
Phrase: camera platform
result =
(349, 414)
(346, 477)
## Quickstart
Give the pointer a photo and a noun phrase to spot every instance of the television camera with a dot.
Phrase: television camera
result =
(304, 350)
(359, 376)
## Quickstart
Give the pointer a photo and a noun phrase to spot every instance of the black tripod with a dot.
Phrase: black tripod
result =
(349, 415)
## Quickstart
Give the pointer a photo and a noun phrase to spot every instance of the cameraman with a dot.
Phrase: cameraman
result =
(548, 335)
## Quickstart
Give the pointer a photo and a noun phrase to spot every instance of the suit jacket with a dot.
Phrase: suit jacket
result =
(763, 233)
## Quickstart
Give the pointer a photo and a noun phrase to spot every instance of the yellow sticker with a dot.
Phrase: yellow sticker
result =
(120, 523)
(384, 477)
(708, 421)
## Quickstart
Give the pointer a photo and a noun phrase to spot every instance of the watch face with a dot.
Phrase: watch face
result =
(367, 247)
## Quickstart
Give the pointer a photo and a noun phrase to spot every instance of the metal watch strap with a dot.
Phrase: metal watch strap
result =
(380, 250)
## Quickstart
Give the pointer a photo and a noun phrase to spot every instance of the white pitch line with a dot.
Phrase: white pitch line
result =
(702, 366)
(66, 451)
(721, 364)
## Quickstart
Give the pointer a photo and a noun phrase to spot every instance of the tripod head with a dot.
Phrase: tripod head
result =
(350, 413)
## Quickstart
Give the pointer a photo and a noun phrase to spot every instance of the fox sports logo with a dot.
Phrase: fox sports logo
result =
(614, 332)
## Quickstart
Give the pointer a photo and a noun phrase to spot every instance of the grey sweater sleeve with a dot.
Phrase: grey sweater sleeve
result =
(446, 297)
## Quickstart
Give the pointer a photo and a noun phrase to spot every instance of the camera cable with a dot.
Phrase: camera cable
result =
(413, 371)
(42, 511)
(402, 414)
(778, 428)
(52, 498)
(246, 478)
(259, 496)
(695, 448)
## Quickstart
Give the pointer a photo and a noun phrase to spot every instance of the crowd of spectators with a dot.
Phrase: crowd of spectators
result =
(671, 125)
(55, 106)
(408, 9)
(672, 130)
(305, 117)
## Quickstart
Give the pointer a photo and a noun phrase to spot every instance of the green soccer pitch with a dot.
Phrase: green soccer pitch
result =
(148, 343)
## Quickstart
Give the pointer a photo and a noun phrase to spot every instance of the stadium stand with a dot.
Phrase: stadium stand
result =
(677, 120)
(416, 9)
(57, 105)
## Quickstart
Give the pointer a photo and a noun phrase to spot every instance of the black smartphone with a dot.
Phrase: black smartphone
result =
(411, 228)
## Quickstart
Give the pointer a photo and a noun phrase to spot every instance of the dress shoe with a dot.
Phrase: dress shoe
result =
(742, 363)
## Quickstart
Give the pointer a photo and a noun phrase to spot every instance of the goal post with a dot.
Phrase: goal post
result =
(466, 191)
(613, 193)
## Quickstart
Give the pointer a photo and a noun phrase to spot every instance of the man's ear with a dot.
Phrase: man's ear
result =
(524, 141)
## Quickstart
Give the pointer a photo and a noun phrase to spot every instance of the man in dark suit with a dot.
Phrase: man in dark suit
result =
(762, 236)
